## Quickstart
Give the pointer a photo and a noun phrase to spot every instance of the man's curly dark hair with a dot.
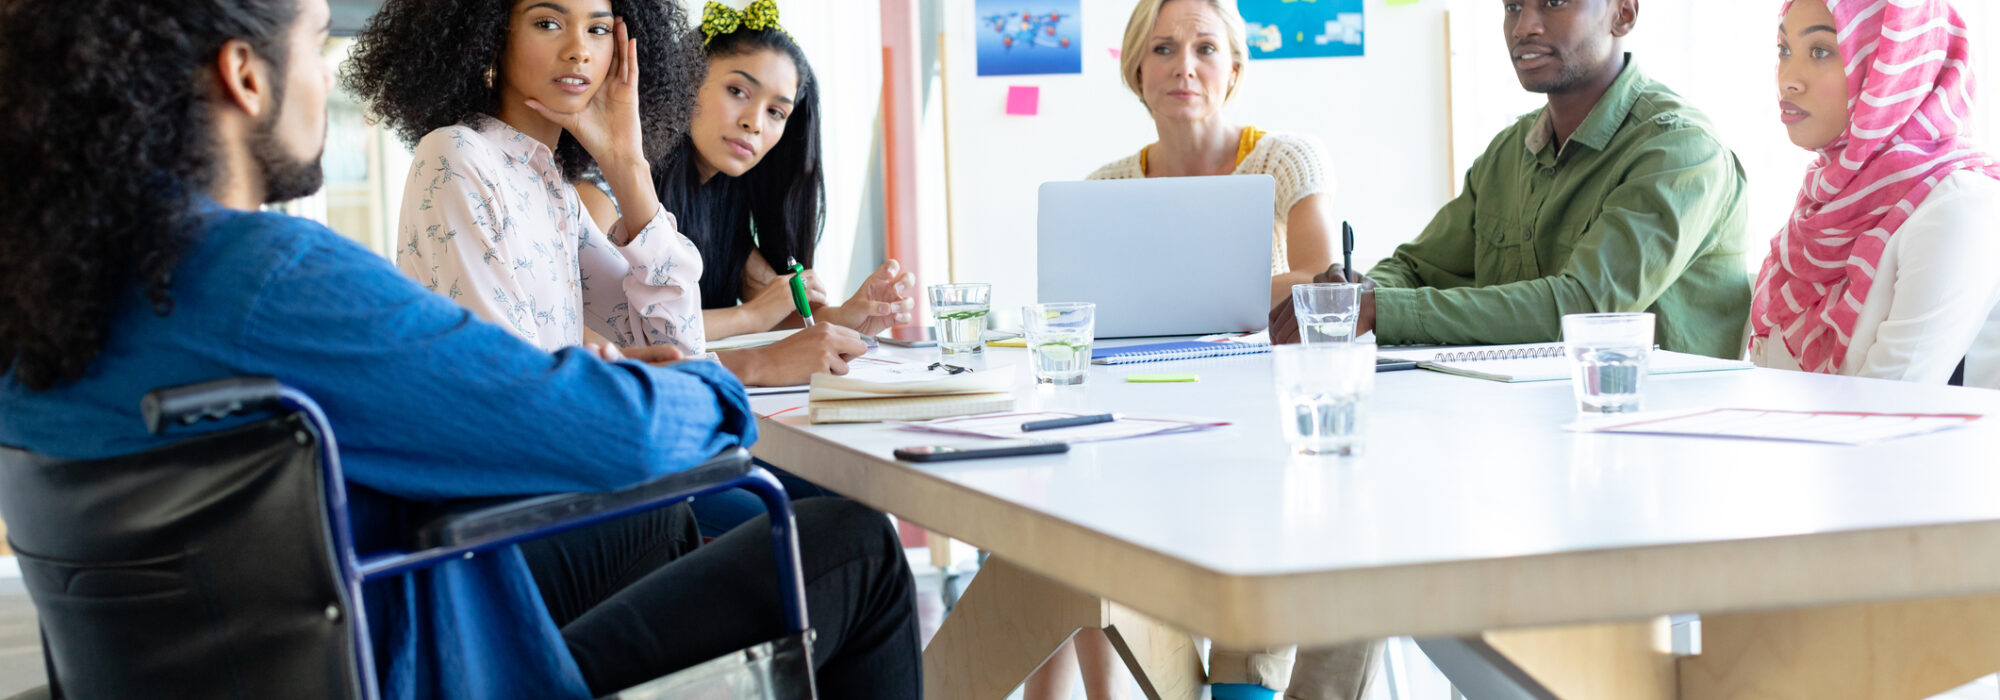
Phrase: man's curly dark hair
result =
(105, 143)
(421, 65)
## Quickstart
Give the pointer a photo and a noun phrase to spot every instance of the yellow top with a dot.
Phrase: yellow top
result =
(1244, 145)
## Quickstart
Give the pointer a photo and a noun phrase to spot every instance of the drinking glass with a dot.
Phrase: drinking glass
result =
(1058, 338)
(959, 312)
(1608, 359)
(1323, 391)
(1326, 311)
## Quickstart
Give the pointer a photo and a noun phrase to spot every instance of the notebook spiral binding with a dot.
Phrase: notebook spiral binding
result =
(1184, 353)
(1528, 353)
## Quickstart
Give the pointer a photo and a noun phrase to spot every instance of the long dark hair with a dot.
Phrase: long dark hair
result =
(777, 208)
(423, 65)
(105, 143)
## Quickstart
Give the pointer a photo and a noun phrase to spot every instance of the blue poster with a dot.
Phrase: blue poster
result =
(1303, 28)
(1028, 37)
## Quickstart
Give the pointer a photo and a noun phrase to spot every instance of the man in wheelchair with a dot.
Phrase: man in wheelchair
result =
(138, 141)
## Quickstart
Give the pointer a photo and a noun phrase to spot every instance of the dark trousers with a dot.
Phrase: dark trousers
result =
(718, 513)
(639, 597)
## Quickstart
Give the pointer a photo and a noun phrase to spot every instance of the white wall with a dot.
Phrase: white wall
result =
(1382, 118)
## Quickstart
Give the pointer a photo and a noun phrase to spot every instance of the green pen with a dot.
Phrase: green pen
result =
(799, 291)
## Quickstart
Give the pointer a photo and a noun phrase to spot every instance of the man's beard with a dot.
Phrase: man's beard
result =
(285, 177)
(1568, 77)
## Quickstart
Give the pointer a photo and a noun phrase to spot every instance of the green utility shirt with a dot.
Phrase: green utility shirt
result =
(1642, 210)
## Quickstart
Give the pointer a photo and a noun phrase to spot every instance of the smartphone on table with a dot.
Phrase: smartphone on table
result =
(912, 336)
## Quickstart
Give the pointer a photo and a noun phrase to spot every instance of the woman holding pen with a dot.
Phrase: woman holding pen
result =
(745, 181)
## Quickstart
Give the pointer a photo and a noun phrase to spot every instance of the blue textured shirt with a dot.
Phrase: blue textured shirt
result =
(427, 402)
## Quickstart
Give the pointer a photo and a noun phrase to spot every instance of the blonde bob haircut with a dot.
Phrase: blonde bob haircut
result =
(1139, 31)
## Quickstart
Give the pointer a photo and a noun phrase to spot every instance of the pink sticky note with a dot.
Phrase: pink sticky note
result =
(1024, 100)
(1114, 53)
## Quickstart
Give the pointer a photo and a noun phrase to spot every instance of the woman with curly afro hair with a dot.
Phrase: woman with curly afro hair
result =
(505, 104)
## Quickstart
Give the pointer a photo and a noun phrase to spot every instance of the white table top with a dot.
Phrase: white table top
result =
(1457, 471)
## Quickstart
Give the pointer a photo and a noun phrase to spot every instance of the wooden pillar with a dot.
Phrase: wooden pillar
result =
(902, 105)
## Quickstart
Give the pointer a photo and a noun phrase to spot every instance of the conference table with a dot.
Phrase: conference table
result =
(1528, 560)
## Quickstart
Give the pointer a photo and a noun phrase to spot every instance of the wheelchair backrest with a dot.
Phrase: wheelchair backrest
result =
(203, 569)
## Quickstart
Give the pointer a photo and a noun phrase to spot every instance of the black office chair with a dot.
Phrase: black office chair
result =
(221, 566)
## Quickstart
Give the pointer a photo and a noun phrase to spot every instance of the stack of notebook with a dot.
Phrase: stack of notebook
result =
(903, 392)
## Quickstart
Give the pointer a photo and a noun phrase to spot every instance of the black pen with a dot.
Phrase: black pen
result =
(1346, 251)
(1053, 423)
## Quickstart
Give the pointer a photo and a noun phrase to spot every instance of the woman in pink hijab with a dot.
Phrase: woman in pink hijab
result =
(1889, 266)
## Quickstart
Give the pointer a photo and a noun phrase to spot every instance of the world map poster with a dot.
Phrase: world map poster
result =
(1028, 37)
(1303, 28)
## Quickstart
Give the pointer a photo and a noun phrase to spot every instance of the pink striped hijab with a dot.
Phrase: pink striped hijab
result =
(1910, 89)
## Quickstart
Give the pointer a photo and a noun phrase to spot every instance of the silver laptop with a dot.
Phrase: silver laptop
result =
(1160, 256)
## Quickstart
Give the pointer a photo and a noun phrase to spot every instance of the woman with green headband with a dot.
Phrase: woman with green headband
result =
(746, 178)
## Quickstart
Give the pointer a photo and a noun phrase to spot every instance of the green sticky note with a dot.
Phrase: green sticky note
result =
(1162, 378)
(1393, 3)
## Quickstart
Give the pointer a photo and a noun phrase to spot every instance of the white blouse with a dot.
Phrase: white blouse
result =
(488, 220)
(1936, 296)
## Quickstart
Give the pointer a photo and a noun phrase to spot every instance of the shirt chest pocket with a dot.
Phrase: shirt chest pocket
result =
(1501, 244)
(1554, 250)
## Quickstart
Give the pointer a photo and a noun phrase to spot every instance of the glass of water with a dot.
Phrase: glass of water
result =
(1326, 312)
(1607, 359)
(959, 312)
(1058, 337)
(1323, 393)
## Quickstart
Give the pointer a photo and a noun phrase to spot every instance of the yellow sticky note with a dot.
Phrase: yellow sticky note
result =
(1015, 342)
(1161, 378)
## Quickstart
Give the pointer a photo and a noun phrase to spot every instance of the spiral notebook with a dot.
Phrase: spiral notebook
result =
(1539, 362)
(1183, 350)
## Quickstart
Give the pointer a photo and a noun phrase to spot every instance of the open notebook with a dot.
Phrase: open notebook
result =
(1538, 362)
(884, 390)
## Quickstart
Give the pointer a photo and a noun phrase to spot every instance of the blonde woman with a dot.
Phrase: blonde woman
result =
(1185, 60)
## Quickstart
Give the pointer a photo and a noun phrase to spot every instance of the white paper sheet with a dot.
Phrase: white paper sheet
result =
(1008, 426)
(1831, 427)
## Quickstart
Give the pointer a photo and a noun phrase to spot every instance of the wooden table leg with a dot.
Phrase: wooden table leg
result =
(1629, 661)
(940, 547)
(1888, 651)
(1010, 620)
(1165, 660)
(1901, 650)
(1623, 660)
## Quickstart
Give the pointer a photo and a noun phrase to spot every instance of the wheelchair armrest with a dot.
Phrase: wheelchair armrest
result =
(217, 399)
(472, 522)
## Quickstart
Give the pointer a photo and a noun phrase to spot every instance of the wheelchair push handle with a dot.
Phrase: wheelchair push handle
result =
(211, 400)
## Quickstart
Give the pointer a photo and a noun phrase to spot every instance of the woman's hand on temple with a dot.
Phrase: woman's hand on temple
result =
(609, 126)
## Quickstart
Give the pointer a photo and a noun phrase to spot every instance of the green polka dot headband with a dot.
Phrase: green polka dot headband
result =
(717, 19)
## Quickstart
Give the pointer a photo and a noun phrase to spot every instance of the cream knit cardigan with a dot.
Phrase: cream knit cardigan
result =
(1296, 161)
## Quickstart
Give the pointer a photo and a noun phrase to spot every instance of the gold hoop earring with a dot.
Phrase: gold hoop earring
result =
(490, 75)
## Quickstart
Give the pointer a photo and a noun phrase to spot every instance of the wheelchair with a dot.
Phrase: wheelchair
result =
(221, 565)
